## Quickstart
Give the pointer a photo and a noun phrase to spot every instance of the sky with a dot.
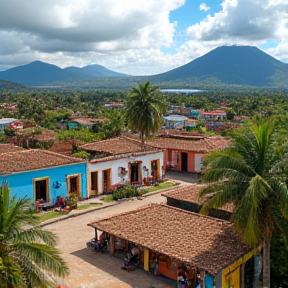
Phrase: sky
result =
(136, 37)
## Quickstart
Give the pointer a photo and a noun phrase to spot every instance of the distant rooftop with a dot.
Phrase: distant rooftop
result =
(175, 118)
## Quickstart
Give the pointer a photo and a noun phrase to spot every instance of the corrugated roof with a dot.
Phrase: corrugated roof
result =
(34, 159)
(201, 241)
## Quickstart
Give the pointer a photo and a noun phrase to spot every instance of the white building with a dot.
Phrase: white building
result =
(119, 161)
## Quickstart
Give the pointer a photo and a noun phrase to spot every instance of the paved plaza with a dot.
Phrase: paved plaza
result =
(95, 270)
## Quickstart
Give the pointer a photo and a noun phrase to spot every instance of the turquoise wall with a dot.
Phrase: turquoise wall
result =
(21, 184)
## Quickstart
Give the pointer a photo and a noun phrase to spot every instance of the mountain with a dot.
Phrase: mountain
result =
(240, 65)
(40, 73)
(7, 85)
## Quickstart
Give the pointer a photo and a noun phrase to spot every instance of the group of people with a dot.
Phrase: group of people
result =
(131, 259)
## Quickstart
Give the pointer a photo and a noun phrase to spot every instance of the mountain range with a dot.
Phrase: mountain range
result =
(236, 65)
(40, 73)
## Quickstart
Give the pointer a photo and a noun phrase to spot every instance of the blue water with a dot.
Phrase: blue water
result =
(181, 91)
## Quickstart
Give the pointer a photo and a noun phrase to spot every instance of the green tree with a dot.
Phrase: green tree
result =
(252, 174)
(230, 113)
(144, 109)
(28, 257)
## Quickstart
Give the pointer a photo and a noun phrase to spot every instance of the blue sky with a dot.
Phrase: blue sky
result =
(137, 37)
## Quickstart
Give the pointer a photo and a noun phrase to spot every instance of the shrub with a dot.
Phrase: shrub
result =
(73, 200)
(125, 191)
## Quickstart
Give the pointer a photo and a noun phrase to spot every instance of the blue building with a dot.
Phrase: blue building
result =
(41, 174)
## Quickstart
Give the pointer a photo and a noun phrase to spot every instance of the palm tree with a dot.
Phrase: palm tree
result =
(252, 174)
(144, 109)
(28, 257)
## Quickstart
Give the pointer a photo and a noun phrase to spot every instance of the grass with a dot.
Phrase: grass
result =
(87, 206)
(54, 214)
(144, 190)
(159, 187)
(107, 199)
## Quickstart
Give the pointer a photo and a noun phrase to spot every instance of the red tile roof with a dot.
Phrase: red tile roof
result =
(115, 146)
(202, 145)
(34, 159)
(5, 148)
(190, 194)
(203, 242)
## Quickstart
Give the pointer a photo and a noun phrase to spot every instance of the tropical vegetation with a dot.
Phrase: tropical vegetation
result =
(28, 254)
(145, 107)
(252, 174)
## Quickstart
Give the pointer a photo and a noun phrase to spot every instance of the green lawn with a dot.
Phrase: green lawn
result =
(107, 199)
(53, 214)
(159, 187)
(144, 190)
(87, 206)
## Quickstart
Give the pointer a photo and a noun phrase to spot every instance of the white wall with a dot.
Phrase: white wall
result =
(123, 162)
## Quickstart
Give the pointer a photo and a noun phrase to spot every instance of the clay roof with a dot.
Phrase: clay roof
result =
(190, 194)
(5, 148)
(114, 146)
(201, 241)
(202, 145)
(88, 121)
(27, 160)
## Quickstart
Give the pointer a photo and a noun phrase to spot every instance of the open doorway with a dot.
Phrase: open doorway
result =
(73, 183)
(106, 180)
(41, 189)
(134, 175)
(184, 161)
(155, 169)
(94, 183)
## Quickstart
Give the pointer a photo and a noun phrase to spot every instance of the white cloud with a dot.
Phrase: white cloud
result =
(204, 7)
(244, 22)
(92, 30)
(128, 35)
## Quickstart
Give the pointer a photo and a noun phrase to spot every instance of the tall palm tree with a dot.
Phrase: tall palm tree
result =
(28, 257)
(252, 174)
(144, 109)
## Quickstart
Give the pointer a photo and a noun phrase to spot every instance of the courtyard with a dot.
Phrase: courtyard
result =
(95, 270)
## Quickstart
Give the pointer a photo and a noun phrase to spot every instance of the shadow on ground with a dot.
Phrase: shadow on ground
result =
(112, 264)
(182, 176)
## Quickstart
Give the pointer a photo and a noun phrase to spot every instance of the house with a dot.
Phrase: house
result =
(180, 238)
(175, 121)
(82, 122)
(186, 198)
(41, 174)
(185, 151)
(121, 160)
(6, 122)
(214, 115)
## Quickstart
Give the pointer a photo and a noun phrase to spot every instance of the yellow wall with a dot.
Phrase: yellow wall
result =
(231, 274)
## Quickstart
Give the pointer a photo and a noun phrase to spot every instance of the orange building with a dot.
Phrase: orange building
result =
(185, 151)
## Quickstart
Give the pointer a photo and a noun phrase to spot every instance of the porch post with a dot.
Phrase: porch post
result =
(112, 243)
(146, 259)
(96, 234)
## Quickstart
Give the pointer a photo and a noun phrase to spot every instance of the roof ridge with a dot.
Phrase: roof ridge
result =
(225, 222)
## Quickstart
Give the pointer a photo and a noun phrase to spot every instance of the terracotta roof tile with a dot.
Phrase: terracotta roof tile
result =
(190, 194)
(28, 160)
(6, 148)
(201, 145)
(114, 146)
(201, 241)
